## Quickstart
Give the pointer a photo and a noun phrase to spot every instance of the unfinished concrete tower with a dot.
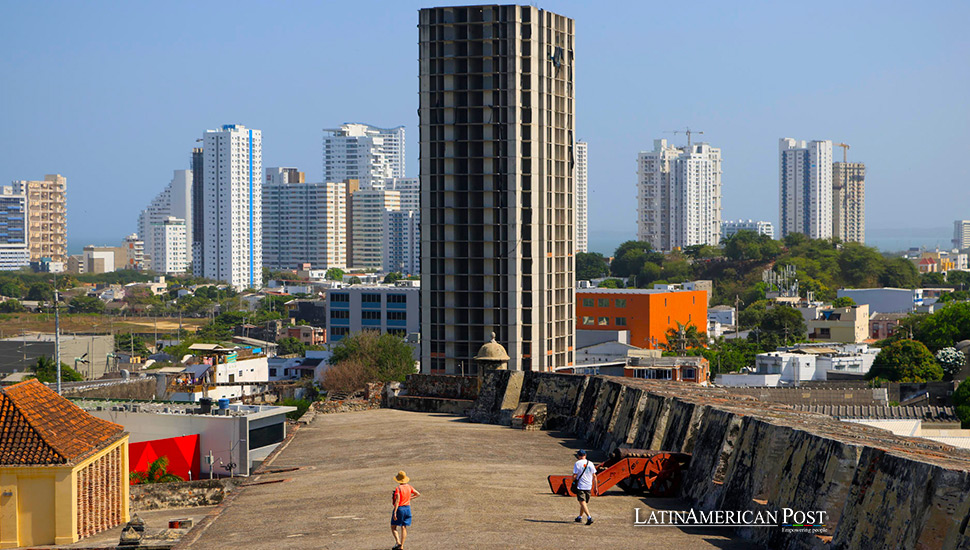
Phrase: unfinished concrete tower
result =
(497, 189)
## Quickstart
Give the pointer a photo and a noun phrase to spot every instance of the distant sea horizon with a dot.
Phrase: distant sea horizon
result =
(605, 242)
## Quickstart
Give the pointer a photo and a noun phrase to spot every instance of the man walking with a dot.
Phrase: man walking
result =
(401, 516)
(584, 479)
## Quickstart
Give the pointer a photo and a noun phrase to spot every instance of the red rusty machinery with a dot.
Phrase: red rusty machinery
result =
(656, 473)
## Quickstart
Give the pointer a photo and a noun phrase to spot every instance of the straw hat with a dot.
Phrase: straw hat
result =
(401, 477)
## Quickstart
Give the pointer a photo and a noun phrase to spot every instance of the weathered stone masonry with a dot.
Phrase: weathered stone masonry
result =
(880, 490)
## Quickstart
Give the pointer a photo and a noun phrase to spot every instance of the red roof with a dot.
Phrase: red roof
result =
(39, 427)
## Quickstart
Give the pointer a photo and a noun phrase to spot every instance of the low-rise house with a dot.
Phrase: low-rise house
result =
(844, 324)
(63, 472)
(883, 325)
(885, 300)
(789, 366)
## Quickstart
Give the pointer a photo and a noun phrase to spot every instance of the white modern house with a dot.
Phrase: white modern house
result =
(232, 191)
(805, 362)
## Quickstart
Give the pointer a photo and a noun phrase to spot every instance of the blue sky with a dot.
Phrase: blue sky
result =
(113, 95)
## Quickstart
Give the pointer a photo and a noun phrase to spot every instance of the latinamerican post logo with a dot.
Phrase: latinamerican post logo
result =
(788, 520)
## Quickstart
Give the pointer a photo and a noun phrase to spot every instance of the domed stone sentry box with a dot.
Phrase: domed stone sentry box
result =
(491, 356)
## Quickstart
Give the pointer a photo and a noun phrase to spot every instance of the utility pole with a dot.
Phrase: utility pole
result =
(737, 316)
(57, 337)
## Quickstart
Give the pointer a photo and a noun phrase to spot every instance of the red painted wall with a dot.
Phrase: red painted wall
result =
(182, 452)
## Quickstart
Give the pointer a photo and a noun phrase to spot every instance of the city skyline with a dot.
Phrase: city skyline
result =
(872, 93)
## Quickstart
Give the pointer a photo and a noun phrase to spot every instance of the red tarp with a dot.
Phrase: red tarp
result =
(182, 452)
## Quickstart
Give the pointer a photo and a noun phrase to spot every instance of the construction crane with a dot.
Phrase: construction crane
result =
(845, 151)
(687, 131)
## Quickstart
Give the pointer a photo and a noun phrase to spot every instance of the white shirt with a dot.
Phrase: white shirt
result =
(585, 479)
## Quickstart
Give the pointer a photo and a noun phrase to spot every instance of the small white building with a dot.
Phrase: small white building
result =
(804, 362)
(730, 228)
(254, 370)
(721, 314)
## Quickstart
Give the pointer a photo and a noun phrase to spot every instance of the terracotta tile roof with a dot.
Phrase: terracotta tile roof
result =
(37, 426)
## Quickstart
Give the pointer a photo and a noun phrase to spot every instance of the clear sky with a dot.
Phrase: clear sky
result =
(113, 95)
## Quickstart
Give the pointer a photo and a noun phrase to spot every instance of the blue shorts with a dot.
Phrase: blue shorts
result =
(403, 516)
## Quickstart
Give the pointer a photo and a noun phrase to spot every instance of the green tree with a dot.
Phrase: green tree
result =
(273, 304)
(684, 337)
(157, 472)
(648, 274)
(385, 357)
(779, 326)
(860, 265)
(354, 280)
(932, 279)
(13, 288)
(749, 245)
(843, 301)
(127, 342)
(287, 346)
(11, 306)
(45, 369)
(392, 277)
(334, 274)
(86, 304)
(961, 398)
(611, 283)
(40, 292)
(630, 257)
(591, 265)
(899, 273)
(944, 327)
(905, 361)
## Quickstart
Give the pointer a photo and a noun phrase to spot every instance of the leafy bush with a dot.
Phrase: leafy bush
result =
(301, 407)
(905, 361)
(951, 360)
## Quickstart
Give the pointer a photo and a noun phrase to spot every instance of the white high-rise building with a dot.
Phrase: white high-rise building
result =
(582, 237)
(170, 247)
(362, 152)
(303, 222)
(174, 201)
(402, 242)
(232, 187)
(731, 227)
(961, 234)
(679, 195)
(368, 225)
(805, 187)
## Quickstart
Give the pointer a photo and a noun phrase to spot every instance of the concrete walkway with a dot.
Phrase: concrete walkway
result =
(482, 486)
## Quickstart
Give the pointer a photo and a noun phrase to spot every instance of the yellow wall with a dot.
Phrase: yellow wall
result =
(38, 504)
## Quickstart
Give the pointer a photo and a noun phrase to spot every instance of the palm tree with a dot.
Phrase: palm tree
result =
(683, 337)
(157, 472)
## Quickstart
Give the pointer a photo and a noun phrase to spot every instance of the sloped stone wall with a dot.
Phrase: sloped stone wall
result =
(879, 490)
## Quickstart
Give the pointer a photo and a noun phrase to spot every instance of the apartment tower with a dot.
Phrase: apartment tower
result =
(303, 222)
(14, 249)
(679, 195)
(805, 187)
(497, 187)
(46, 216)
(961, 234)
(363, 152)
(582, 235)
(198, 212)
(849, 201)
(232, 188)
(176, 200)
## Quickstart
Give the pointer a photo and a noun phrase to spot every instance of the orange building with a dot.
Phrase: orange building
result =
(647, 314)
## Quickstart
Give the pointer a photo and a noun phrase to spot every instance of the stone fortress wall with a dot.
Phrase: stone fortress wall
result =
(880, 490)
